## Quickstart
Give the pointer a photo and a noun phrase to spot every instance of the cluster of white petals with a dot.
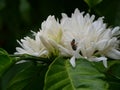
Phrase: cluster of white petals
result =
(78, 36)
(32, 47)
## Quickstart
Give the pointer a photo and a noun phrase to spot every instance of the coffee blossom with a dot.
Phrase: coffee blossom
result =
(78, 36)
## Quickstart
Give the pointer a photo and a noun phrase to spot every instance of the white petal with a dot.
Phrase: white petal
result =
(72, 61)
(45, 52)
(34, 33)
(22, 61)
(97, 59)
(64, 15)
(98, 23)
(114, 54)
(20, 51)
(101, 45)
(64, 51)
(112, 42)
(53, 43)
(92, 18)
(35, 54)
(116, 31)
(77, 53)
(46, 43)
(20, 43)
(105, 63)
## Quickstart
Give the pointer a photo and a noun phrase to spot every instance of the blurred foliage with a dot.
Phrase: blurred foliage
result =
(18, 17)
(5, 61)
(92, 3)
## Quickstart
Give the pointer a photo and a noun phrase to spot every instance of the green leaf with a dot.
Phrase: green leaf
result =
(62, 76)
(30, 77)
(113, 75)
(92, 3)
(2, 52)
(115, 70)
(5, 61)
(10, 74)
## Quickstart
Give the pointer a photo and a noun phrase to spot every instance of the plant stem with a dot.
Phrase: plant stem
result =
(30, 58)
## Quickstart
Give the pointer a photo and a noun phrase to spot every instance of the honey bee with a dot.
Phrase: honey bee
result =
(74, 44)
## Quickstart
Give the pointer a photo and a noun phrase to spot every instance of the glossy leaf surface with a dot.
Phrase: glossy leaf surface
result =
(85, 76)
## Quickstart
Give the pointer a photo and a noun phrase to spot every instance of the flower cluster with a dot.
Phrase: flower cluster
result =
(78, 36)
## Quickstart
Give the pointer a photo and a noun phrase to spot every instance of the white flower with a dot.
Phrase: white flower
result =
(32, 46)
(42, 44)
(51, 31)
(85, 37)
(78, 36)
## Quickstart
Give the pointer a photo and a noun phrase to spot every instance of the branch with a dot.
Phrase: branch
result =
(20, 57)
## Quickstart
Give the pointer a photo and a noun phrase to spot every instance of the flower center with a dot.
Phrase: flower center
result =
(73, 44)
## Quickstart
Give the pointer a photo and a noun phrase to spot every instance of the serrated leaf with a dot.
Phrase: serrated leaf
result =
(62, 76)
(92, 3)
(31, 77)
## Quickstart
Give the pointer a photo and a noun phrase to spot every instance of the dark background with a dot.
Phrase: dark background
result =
(18, 17)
